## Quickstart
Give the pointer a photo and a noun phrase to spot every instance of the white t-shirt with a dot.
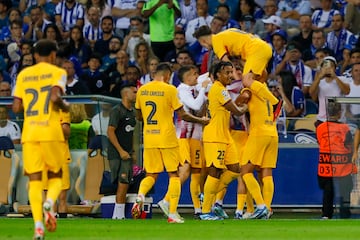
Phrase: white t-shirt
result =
(354, 92)
(100, 124)
(124, 22)
(327, 89)
(11, 130)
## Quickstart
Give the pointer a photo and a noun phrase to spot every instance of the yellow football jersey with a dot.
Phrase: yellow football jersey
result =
(33, 87)
(157, 102)
(261, 110)
(65, 117)
(235, 42)
(218, 130)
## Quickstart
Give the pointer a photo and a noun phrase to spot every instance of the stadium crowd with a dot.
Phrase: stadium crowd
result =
(106, 44)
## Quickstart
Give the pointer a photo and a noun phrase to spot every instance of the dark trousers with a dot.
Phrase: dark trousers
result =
(341, 188)
(160, 49)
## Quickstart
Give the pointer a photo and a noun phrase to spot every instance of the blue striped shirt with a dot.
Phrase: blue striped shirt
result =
(69, 17)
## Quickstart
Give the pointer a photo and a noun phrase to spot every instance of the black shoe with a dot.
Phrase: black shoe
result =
(197, 216)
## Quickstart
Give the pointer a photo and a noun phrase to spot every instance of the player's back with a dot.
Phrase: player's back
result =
(261, 116)
(33, 87)
(158, 101)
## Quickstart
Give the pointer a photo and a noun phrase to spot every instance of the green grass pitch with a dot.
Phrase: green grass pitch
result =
(159, 229)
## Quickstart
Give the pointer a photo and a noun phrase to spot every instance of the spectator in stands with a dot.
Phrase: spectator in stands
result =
(5, 89)
(5, 5)
(270, 8)
(152, 64)
(352, 17)
(92, 29)
(179, 44)
(335, 142)
(327, 84)
(320, 54)
(135, 36)
(161, 14)
(100, 121)
(5, 33)
(318, 40)
(183, 58)
(79, 47)
(233, 5)
(53, 33)
(354, 58)
(97, 82)
(223, 11)
(132, 77)
(49, 9)
(247, 23)
(188, 13)
(272, 24)
(73, 85)
(290, 11)
(293, 62)
(37, 23)
(142, 54)
(353, 110)
(279, 40)
(102, 45)
(80, 127)
(204, 18)
(26, 60)
(109, 59)
(104, 8)
(117, 71)
(122, 11)
(248, 7)
(304, 38)
(344, 64)
(322, 18)
(9, 128)
(291, 94)
(339, 37)
(68, 13)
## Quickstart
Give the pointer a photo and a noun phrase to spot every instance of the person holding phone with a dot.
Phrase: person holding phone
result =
(327, 84)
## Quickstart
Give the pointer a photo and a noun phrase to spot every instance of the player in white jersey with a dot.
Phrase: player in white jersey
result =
(190, 134)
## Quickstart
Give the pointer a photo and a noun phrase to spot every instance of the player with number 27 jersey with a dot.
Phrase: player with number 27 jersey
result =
(33, 87)
(155, 99)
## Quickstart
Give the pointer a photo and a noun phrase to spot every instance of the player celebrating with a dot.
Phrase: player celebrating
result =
(189, 135)
(38, 90)
(219, 147)
(156, 102)
(261, 148)
(236, 43)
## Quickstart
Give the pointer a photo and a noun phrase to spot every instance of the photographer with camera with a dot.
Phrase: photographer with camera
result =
(327, 84)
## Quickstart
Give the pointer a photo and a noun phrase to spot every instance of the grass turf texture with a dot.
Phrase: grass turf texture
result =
(89, 228)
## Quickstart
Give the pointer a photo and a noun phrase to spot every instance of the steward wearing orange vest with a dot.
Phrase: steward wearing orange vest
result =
(335, 162)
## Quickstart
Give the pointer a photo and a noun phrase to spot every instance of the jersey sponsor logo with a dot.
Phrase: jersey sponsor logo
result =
(129, 128)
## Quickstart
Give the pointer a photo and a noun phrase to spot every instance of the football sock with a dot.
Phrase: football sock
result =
(210, 189)
(174, 193)
(226, 178)
(119, 211)
(195, 189)
(253, 187)
(35, 198)
(249, 203)
(54, 189)
(220, 196)
(146, 184)
(241, 198)
(268, 190)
